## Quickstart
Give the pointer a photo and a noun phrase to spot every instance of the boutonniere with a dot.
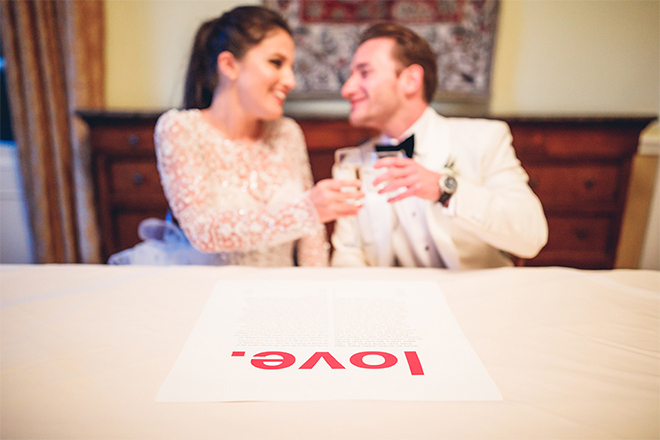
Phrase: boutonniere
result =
(451, 166)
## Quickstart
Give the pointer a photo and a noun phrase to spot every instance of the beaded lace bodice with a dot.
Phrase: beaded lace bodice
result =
(247, 200)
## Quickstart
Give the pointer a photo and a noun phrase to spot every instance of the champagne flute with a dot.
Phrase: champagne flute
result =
(368, 173)
(347, 163)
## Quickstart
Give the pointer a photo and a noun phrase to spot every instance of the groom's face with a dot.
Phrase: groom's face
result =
(373, 88)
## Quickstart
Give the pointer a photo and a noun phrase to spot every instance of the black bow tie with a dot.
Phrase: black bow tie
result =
(408, 145)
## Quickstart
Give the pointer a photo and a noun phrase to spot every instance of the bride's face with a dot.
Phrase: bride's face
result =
(265, 75)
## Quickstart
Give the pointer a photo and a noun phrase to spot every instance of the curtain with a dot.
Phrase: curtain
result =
(54, 63)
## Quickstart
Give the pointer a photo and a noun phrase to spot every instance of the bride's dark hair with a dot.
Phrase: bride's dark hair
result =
(235, 31)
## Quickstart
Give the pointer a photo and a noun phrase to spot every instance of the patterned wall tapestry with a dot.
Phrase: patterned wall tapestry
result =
(461, 33)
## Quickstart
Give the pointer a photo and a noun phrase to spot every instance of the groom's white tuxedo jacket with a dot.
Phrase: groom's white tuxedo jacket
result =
(492, 213)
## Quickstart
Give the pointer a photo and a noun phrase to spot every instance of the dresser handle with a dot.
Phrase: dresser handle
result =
(138, 179)
(133, 140)
(581, 234)
(589, 183)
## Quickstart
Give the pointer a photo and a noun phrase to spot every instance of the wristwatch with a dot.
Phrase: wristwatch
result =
(447, 189)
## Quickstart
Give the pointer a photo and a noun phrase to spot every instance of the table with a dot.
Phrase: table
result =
(85, 348)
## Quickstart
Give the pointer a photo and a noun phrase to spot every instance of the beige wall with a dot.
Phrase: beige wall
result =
(577, 57)
(552, 56)
(147, 48)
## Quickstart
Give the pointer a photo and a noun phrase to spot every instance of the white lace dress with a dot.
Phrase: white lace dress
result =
(237, 203)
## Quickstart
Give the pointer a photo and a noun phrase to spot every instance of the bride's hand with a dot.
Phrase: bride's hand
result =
(331, 202)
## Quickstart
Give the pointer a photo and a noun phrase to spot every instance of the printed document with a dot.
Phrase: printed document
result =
(286, 340)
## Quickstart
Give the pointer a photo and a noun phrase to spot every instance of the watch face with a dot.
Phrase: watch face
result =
(450, 184)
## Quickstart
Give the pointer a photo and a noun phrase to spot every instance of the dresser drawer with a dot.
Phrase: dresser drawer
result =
(581, 242)
(124, 139)
(135, 184)
(576, 186)
(579, 233)
(134, 176)
(573, 140)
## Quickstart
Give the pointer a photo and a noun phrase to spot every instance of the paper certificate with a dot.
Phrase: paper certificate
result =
(339, 340)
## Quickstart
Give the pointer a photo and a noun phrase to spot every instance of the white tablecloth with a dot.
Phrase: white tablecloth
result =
(85, 348)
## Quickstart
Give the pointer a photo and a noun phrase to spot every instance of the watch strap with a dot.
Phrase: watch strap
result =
(444, 198)
(445, 192)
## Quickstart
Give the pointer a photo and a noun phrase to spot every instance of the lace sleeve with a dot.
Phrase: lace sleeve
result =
(184, 171)
(312, 248)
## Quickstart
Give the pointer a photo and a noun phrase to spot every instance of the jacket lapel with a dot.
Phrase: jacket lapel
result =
(435, 153)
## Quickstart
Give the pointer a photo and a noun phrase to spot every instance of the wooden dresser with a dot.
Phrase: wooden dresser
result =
(127, 183)
(579, 168)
